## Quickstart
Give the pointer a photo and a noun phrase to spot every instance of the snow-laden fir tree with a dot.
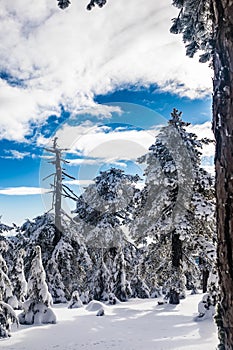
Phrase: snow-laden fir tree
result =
(66, 263)
(7, 317)
(6, 288)
(37, 307)
(174, 197)
(18, 279)
(135, 268)
(100, 283)
(102, 210)
(121, 288)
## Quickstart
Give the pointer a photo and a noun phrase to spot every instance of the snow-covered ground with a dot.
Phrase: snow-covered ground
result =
(140, 324)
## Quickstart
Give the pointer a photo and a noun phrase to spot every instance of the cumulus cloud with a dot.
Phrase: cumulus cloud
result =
(22, 191)
(101, 144)
(67, 57)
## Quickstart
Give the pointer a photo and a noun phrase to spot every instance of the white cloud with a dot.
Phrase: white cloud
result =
(79, 182)
(22, 191)
(14, 154)
(96, 145)
(204, 131)
(67, 57)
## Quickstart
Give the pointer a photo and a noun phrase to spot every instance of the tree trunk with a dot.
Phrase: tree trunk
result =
(205, 274)
(174, 295)
(58, 192)
(223, 130)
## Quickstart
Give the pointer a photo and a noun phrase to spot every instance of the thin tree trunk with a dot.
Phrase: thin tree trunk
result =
(58, 191)
(223, 129)
(205, 274)
(174, 295)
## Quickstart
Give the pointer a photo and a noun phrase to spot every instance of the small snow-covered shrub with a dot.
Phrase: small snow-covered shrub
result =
(206, 309)
(75, 301)
(100, 312)
(7, 316)
(94, 305)
(36, 313)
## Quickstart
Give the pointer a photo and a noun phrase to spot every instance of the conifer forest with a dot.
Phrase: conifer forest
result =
(116, 175)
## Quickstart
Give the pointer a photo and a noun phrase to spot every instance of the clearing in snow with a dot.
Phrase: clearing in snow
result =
(134, 325)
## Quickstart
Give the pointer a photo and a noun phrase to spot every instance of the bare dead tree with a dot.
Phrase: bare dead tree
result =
(59, 189)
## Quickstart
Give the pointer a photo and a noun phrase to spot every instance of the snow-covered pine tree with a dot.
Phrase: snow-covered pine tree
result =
(101, 210)
(135, 269)
(37, 307)
(169, 202)
(66, 263)
(7, 317)
(121, 288)
(6, 289)
(100, 281)
(18, 279)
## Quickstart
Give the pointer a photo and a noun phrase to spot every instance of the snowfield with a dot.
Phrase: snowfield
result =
(139, 324)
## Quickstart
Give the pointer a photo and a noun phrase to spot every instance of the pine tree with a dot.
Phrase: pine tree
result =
(100, 283)
(172, 198)
(7, 316)
(102, 210)
(121, 289)
(37, 307)
(6, 289)
(66, 263)
(18, 279)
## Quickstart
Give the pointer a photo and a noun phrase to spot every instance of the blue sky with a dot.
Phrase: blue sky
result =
(101, 81)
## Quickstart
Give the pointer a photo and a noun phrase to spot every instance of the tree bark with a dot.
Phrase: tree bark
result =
(174, 295)
(58, 194)
(205, 274)
(223, 130)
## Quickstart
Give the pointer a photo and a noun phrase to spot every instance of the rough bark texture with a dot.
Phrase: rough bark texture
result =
(223, 129)
(174, 295)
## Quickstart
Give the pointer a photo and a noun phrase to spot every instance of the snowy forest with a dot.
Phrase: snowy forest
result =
(120, 241)
(150, 255)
